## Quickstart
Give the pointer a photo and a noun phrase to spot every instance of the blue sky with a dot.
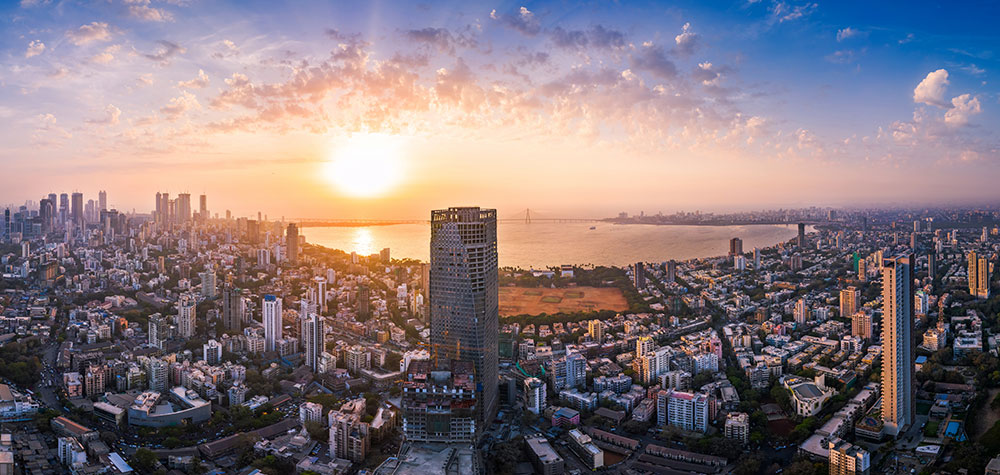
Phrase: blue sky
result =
(797, 98)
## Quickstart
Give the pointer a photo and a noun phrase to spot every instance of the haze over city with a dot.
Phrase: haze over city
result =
(644, 104)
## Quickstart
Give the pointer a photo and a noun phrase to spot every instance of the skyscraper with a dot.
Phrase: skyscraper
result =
(232, 308)
(208, 284)
(671, 269)
(802, 234)
(186, 316)
(183, 207)
(979, 276)
(292, 243)
(203, 207)
(848, 302)
(46, 212)
(639, 276)
(313, 343)
(364, 301)
(735, 246)
(801, 312)
(63, 207)
(272, 321)
(76, 209)
(898, 403)
(102, 200)
(464, 296)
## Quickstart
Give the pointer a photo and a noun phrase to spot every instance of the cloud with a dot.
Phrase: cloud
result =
(784, 12)
(179, 105)
(33, 3)
(848, 33)
(597, 37)
(196, 83)
(687, 40)
(106, 56)
(94, 31)
(651, 58)
(58, 73)
(974, 70)
(906, 39)
(226, 49)
(35, 48)
(844, 56)
(707, 74)
(148, 13)
(48, 129)
(440, 38)
(523, 21)
(931, 90)
(111, 116)
(962, 108)
(167, 51)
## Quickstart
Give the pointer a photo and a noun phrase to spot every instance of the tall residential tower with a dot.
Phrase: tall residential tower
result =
(272, 321)
(464, 296)
(898, 405)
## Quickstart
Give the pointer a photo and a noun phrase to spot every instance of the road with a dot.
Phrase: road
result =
(46, 392)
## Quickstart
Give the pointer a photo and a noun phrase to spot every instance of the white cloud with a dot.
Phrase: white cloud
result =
(931, 90)
(785, 12)
(147, 13)
(847, 33)
(179, 105)
(196, 83)
(35, 48)
(112, 115)
(95, 31)
(963, 107)
(687, 40)
(106, 56)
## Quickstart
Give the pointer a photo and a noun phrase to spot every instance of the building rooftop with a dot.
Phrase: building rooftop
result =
(543, 450)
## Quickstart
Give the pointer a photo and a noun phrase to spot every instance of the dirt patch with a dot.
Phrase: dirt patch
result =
(534, 301)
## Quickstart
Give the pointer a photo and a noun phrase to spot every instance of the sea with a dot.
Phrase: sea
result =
(542, 244)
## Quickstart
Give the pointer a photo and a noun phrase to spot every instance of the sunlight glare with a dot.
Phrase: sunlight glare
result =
(367, 165)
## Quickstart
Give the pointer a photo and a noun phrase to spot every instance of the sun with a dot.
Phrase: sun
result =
(366, 165)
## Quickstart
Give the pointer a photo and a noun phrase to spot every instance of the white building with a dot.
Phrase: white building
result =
(212, 351)
(534, 395)
(310, 412)
(272, 321)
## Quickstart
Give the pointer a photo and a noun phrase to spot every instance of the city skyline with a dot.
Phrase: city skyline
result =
(607, 98)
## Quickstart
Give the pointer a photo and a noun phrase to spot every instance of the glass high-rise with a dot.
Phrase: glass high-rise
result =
(898, 358)
(464, 296)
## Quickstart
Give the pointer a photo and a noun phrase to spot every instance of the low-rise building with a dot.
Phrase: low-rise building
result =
(544, 458)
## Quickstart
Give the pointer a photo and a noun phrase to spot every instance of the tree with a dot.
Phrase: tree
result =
(506, 455)
(747, 466)
(781, 396)
(316, 430)
(144, 460)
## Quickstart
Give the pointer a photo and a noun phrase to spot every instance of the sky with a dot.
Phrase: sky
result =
(566, 108)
